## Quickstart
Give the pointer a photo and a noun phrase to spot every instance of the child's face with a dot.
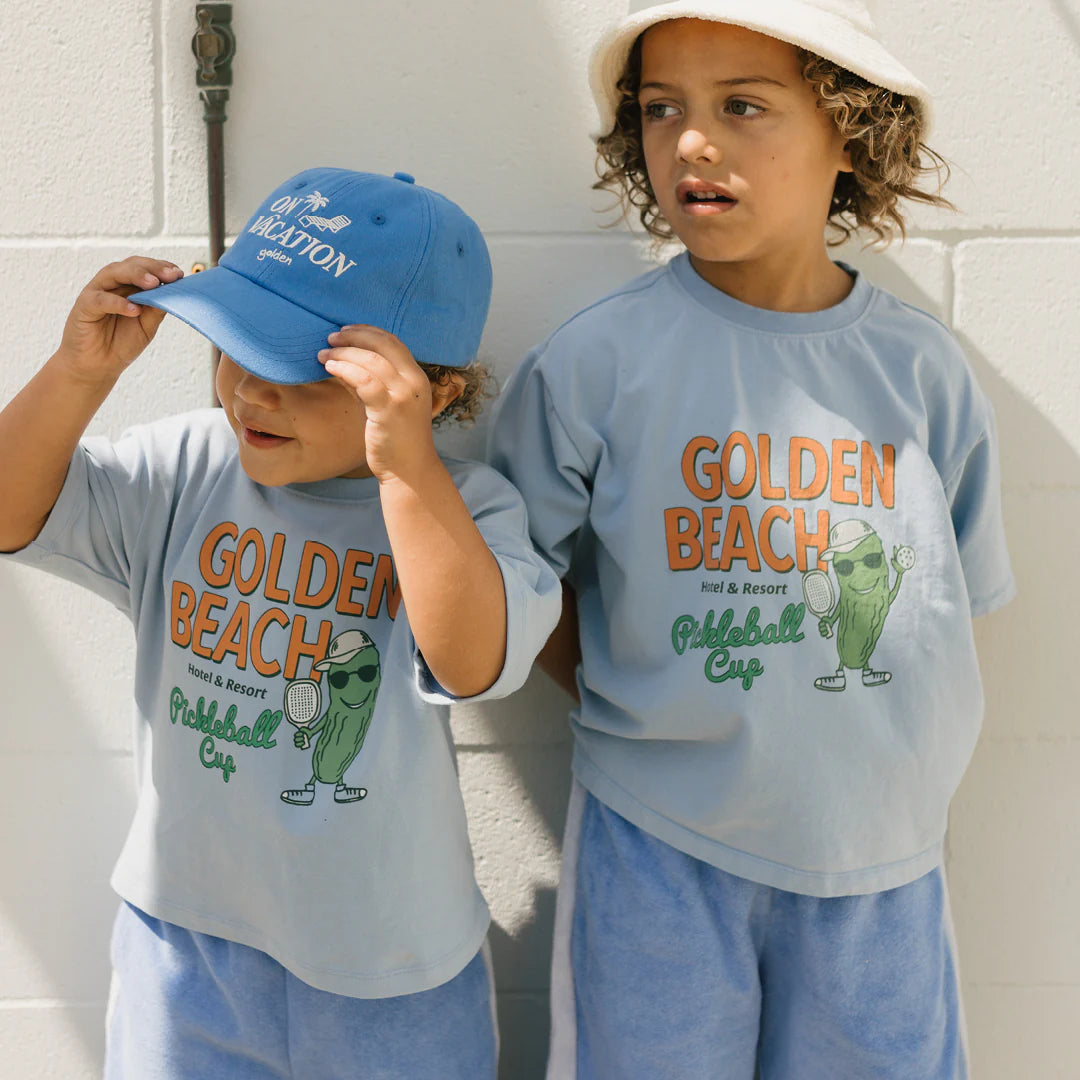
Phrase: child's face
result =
(293, 434)
(726, 111)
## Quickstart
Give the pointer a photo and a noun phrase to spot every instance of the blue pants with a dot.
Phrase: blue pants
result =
(187, 1006)
(667, 968)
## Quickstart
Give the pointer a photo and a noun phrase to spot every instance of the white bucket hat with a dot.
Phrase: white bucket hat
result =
(839, 30)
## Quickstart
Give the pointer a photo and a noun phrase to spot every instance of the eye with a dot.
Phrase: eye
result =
(738, 107)
(658, 110)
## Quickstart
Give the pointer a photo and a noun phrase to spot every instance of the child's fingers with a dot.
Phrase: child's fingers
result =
(366, 381)
(378, 341)
(137, 272)
(348, 358)
(97, 302)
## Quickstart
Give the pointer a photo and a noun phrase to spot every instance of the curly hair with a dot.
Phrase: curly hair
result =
(479, 386)
(883, 130)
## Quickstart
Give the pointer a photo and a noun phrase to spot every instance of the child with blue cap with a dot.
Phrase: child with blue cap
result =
(772, 489)
(298, 896)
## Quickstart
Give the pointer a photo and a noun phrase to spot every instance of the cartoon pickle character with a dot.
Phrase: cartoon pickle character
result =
(353, 683)
(858, 558)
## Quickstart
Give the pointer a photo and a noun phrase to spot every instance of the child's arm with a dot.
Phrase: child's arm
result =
(41, 426)
(561, 655)
(451, 584)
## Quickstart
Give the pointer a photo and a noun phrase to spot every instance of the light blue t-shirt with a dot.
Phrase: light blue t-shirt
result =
(362, 885)
(778, 527)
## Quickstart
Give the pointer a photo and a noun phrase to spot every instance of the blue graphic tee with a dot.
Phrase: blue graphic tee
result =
(778, 527)
(296, 785)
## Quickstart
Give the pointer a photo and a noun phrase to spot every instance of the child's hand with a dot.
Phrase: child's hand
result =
(396, 395)
(105, 332)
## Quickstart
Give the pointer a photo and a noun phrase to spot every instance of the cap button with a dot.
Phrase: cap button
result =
(404, 176)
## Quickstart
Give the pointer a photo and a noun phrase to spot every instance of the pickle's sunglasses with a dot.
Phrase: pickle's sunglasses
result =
(845, 566)
(340, 679)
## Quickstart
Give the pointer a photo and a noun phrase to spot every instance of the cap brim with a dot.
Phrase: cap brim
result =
(266, 335)
(344, 658)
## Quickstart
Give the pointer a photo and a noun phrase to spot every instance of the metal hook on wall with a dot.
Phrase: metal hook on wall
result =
(214, 47)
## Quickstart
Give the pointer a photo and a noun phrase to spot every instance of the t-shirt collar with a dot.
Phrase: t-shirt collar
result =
(850, 309)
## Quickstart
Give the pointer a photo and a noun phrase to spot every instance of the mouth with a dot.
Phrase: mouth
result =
(262, 440)
(863, 592)
(699, 197)
(254, 434)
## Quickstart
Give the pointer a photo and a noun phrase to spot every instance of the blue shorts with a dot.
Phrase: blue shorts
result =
(667, 968)
(187, 1006)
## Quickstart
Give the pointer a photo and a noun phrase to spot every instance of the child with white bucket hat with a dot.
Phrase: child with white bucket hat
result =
(733, 462)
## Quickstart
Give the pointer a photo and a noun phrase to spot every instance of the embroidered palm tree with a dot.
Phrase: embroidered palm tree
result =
(316, 201)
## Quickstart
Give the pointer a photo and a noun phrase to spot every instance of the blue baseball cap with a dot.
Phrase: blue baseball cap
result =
(331, 247)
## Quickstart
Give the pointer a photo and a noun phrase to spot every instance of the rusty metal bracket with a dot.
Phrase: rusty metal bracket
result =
(214, 45)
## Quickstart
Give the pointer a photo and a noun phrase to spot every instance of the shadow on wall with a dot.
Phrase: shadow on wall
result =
(1068, 17)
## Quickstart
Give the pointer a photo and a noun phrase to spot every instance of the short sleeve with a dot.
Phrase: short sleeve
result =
(110, 524)
(533, 593)
(974, 495)
(91, 531)
(529, 444)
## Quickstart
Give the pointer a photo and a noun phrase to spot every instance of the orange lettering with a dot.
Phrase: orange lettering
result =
(710, 537)
(384, 584)
(798, 447)
(234, 637)
(883, 477)
(314, 550)
(772, 560)
(251, 538)
(299, 647)
(272, 591)
(739, 540)
(206, 555)
(749, 477)
(710, 469)
(765, 468)
(681, 527)
(258, 660)
(183, 604)
(204, 623)
(841, 472)
(804, 540)
(351, 582)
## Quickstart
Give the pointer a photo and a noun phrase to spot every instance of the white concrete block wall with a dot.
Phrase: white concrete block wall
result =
(101, 152)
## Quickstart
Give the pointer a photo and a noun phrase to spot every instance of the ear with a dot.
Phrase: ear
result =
(444, 393)
(845, 159)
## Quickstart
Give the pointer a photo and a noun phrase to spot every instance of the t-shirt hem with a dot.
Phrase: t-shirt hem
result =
(346, 984)
(517, 663)
(744, 864)
(984, 605)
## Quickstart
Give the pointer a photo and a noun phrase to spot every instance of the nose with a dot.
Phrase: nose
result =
(255, 391)
(695, 145)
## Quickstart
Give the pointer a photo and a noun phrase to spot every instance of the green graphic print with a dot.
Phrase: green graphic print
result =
(862, 573)
(353, 685)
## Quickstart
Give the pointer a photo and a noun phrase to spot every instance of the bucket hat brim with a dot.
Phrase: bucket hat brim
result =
(798, 22)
